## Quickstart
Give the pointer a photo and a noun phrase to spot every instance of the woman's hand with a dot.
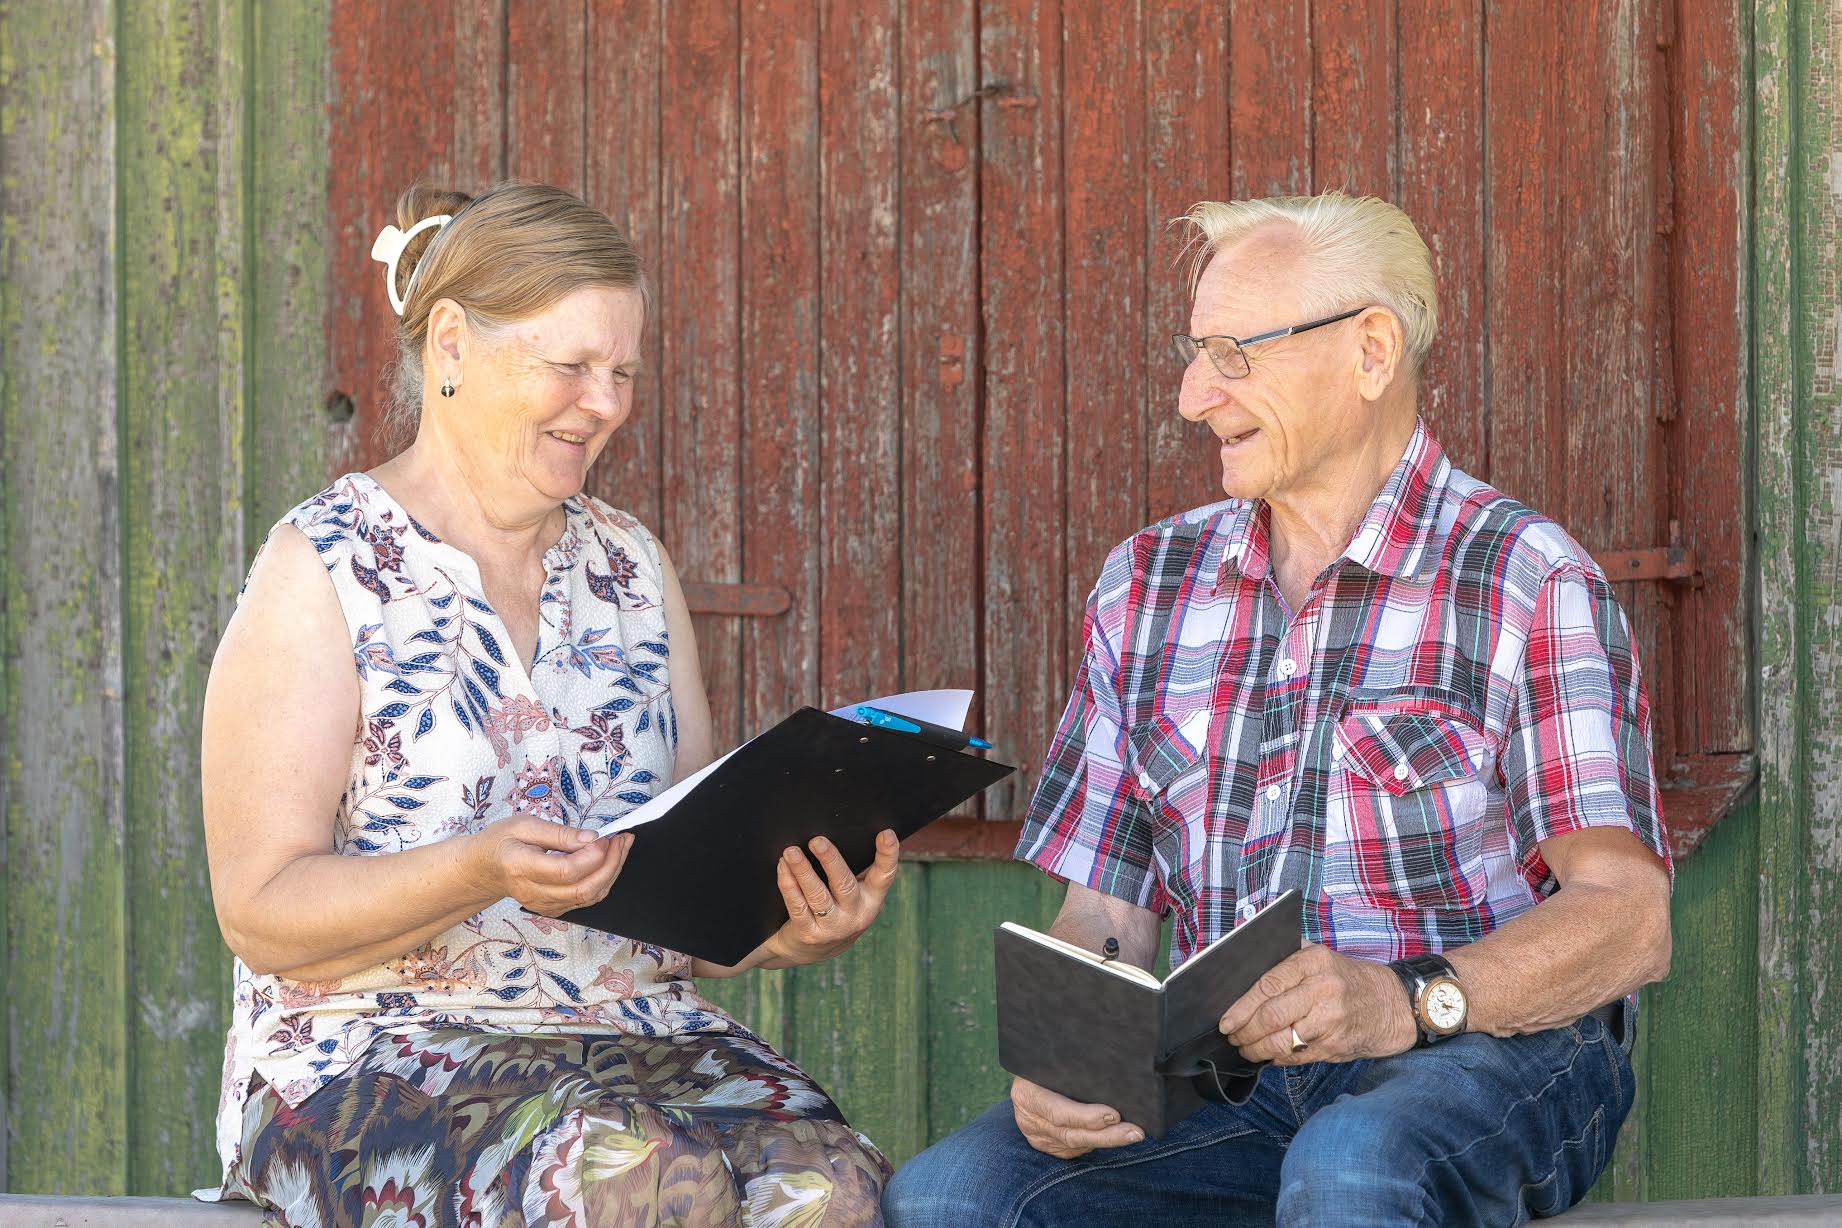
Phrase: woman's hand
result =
(825, 916)
(514, 858)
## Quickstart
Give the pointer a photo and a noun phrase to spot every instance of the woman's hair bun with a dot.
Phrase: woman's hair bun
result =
(417, 202)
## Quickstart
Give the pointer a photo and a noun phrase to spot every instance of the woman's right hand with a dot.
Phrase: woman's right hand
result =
(514, 858)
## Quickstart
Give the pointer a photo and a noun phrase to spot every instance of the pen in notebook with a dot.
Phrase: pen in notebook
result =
(952, 739)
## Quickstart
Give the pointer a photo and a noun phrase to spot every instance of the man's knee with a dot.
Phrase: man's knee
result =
(967, 1179)
(1352, 1165)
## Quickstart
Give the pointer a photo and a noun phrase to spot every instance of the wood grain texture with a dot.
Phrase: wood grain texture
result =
(622, 108)
(1269, 99)
(859, 1023)
(861, 537)
(1441, 162)
(1103, 297)
(941, 350)
(66, 982)
(184, 277)
(1024, 510)
(1185, 50)
(700, 315)
(547, 74)
(1355, 92)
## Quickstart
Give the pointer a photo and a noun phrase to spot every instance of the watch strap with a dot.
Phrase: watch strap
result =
(1415, 972)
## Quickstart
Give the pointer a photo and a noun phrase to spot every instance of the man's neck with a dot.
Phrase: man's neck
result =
(1311, 527)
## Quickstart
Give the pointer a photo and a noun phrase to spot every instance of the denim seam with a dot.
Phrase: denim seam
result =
(1503, 1124)
(1596, 1126)
(1043, 1184)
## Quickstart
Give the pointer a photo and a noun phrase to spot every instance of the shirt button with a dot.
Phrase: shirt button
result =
(1287, 667)
(1247, 909)
(1400, 771)
(1272, 793)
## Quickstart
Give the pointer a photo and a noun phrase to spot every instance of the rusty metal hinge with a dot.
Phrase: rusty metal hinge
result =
(1672, 562)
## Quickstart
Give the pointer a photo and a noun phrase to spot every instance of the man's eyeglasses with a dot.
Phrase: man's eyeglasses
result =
(1229, 354)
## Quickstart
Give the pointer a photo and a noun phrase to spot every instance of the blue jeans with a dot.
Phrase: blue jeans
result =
(1475, 1130)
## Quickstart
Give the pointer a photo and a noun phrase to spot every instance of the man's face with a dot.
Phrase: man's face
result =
(1297, 406)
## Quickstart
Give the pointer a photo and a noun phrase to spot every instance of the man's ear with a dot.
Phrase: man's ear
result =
(1382, 345)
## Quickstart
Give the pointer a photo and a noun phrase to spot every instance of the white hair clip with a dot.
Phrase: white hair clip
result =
(388, 247)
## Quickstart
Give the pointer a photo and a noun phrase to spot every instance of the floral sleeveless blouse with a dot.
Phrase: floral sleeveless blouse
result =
(456, 734)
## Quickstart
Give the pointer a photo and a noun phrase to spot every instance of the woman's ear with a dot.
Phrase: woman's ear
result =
(1381, 343)
(447, 341)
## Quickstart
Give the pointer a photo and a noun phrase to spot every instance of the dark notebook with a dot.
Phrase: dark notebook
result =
(1103, 1032)
(700, 878)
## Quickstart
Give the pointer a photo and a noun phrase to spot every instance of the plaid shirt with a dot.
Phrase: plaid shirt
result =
(1459, 686)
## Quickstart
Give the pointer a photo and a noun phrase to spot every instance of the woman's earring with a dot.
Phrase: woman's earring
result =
(447, 387)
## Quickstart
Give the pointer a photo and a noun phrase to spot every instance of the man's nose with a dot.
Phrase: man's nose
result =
(1203, 390)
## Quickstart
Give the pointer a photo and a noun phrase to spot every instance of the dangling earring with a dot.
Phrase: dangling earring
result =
(447, 387)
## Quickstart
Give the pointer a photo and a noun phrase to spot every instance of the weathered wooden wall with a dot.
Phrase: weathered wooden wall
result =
(909, 362)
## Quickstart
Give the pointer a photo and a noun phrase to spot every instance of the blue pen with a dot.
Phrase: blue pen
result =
(953, 739)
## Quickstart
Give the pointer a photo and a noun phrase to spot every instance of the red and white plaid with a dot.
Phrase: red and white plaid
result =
(1459, 686)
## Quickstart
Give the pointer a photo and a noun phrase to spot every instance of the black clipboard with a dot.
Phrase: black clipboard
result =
(700, 878)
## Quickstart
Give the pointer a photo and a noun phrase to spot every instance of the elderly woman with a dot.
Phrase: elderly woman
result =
(440, 675)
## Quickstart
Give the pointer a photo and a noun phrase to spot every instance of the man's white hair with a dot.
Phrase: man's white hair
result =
(1359, 251)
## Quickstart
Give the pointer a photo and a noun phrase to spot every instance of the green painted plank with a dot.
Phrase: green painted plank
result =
(288, 449)
(757, 1000)
(966, 901)
(65, 994)
(1779, 449)
(181, 107)
(858, 1023)
(1699, 1036)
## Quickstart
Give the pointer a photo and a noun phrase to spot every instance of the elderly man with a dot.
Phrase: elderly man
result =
(1371, 677)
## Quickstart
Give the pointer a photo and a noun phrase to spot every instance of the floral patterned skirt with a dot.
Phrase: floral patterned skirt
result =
(459, 1127)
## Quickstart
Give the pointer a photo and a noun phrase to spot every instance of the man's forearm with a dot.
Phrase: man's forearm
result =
(1537, 972)
(1088, 918)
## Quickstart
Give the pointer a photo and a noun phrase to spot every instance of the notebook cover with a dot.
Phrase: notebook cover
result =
(701, 879)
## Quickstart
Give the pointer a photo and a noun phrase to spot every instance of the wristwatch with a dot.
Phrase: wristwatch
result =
(1437, 999)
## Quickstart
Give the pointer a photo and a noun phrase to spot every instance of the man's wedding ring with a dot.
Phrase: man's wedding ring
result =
(826, 912)
(1298, 1042)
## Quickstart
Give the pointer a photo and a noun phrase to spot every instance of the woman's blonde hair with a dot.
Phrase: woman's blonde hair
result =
(1359, 251)
(508, 254)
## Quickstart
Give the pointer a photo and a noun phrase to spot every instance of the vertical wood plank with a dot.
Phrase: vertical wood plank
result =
(1269, 98)
(66, 989)
(700, 325)
(623, 181)
(546, 67)
(1354, 93)
(1186, 160)
(395, 118)
(1818, 180)
(1705, 314)
(287, 436)
(967, 901)
(1442, 189)
(1103, 306)
(184, 296)
(1025, 619)
(863, 544)
(941, 349)
(859, 1023)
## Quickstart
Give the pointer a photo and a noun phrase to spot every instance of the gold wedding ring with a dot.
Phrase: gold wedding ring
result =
(1298, 1042)
(827, 913)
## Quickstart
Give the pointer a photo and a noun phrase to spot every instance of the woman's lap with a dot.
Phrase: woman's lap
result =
(459, 1127)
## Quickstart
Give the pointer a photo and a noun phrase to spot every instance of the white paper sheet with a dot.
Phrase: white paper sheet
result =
(947, 708)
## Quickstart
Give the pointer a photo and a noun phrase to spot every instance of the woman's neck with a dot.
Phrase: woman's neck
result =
(460, 506)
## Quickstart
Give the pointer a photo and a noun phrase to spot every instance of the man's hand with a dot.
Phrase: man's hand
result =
(1064, 1128)
(1343, 1009)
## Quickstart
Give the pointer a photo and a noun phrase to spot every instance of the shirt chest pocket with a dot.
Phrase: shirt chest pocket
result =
(1406, 822)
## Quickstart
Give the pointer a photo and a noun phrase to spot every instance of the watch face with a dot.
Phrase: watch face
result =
(1444, 1005)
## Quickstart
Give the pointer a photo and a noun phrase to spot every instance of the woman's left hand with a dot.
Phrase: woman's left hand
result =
(826, 915)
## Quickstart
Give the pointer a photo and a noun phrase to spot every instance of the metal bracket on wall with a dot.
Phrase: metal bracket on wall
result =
(1672, 562)
(740, 600)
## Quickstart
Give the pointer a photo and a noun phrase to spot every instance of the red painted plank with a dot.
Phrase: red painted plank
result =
(700, 323)
(862, 543)
(1025, 617)
(395, 118)
(622, 108)
(1186, 160)
(940, 355)
(546, 53)
(1706, 268)
(1353, 96)
(779, 342)
(1269, 103)
(1442, 190)
(1103, 304)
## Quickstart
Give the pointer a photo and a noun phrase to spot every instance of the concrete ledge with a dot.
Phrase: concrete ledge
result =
(43, 1211)
(1800, 1212)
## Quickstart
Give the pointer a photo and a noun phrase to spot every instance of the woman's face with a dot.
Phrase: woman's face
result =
(541, 401)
